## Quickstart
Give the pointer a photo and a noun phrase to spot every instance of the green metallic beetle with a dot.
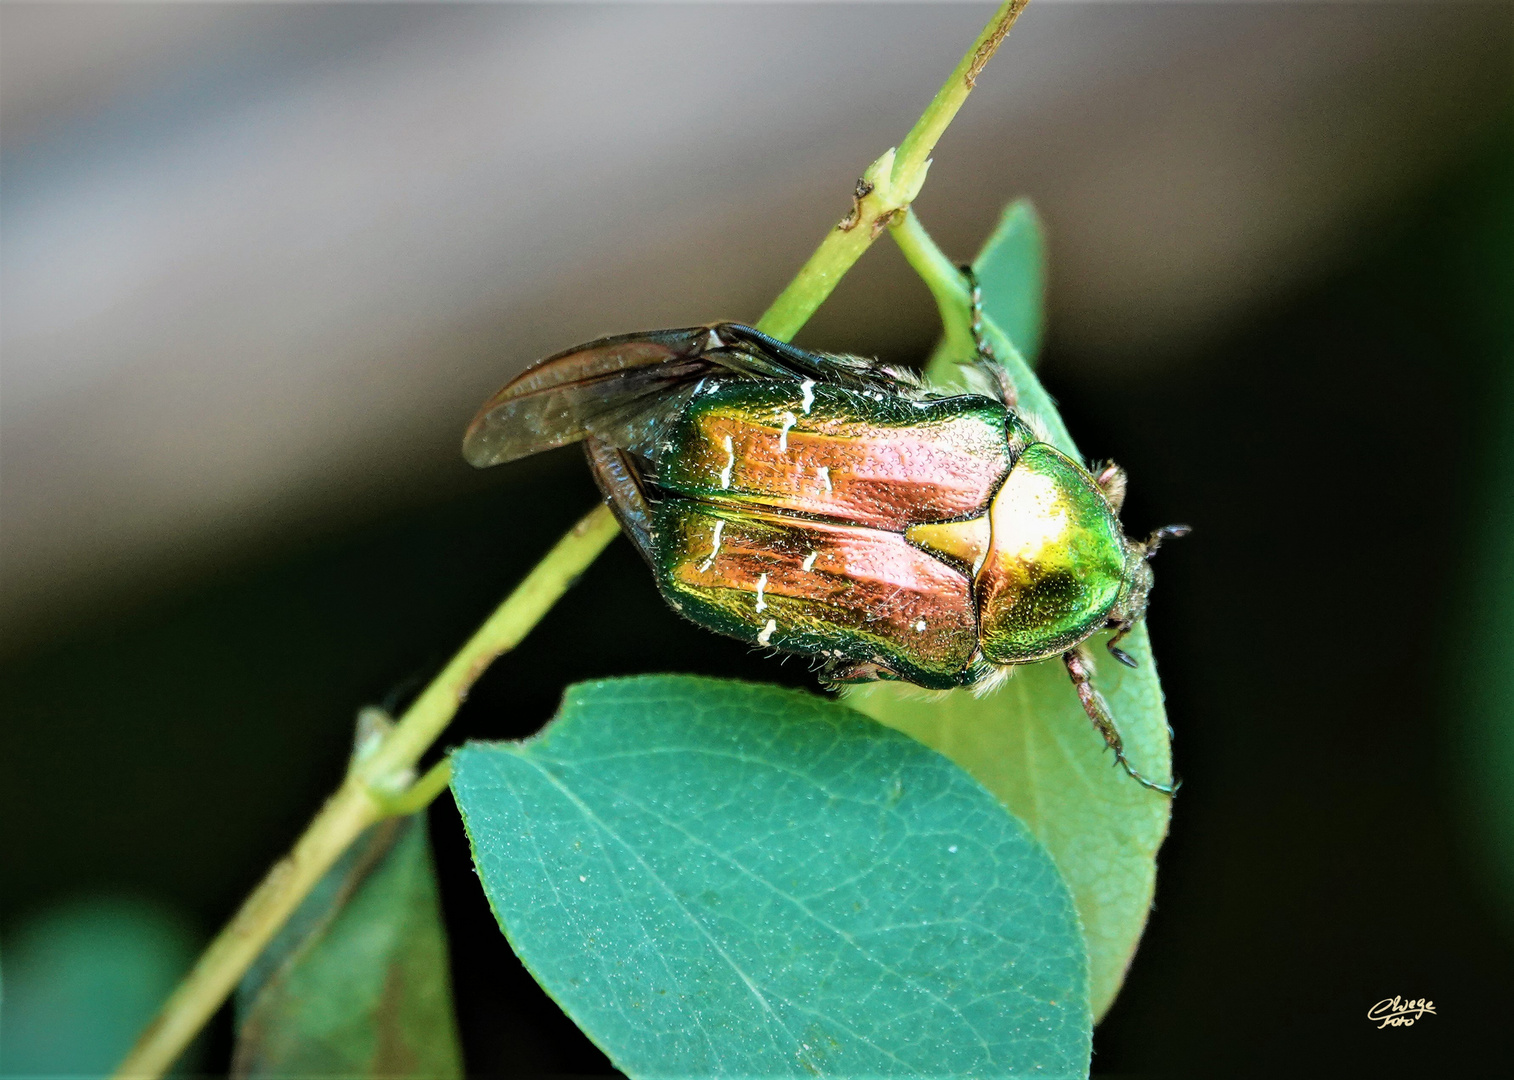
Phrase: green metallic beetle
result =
(833, 507)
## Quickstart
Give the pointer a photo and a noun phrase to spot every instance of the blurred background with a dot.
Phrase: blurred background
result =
(260, 263)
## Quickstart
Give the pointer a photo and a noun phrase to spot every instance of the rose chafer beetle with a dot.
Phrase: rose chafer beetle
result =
(833, 507)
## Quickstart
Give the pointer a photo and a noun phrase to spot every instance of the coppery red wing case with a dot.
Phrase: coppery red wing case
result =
(820, 451)
(842, 592)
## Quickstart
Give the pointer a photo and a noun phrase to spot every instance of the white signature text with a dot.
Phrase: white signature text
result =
(1397, 1012)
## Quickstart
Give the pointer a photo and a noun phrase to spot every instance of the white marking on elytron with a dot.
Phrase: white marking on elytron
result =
(730, 464)
(762, 583)
(919, 626)
(809, 560)
(824, 472)
(789, 420)
(719, 528)
(767, 632)
(808, 389)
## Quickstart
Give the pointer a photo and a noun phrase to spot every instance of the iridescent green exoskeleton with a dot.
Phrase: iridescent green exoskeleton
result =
(835, 508)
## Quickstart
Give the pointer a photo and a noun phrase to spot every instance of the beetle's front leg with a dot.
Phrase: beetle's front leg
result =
(1112, 482)
(1078, 670)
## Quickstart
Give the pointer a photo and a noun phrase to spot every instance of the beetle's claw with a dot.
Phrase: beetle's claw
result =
(1166, 789)
(1122, 656)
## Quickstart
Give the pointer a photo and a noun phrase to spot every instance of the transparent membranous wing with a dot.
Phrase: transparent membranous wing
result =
(623, 389)
(561, 399)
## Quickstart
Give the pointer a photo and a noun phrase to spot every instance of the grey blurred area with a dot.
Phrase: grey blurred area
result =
(259, 263)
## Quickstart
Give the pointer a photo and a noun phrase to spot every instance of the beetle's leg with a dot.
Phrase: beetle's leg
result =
(1098, 712)
(620, 481)
(987, 362)
(836, 672)
(1112, 482)
(1121, 629)
(975, 312)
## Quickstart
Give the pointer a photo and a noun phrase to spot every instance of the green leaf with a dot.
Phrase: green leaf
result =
(1011, 272)
(356, 984)
(82, 980)
(723, 879)
(1030, 742)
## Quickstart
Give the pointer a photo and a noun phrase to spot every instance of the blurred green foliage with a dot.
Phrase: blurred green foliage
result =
(81, 980)
(1480, 671)
(357, 984)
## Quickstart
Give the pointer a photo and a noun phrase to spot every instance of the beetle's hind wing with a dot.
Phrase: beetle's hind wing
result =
(626, 389)
(608, 387)
(782, 360)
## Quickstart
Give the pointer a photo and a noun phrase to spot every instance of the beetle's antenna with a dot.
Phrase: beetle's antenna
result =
(1166, 532)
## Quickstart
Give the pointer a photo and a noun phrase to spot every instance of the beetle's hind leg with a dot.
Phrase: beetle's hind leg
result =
(620, 481)
(1094, 705)
(834, 672)
(975, 312)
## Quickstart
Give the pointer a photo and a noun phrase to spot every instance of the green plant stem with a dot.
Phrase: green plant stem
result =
(949, 288)
(917, 147)
(433, 710)
(379, 782)
(420, 794)
(941, 277)
(375, 785)
(344, 817)
(886, 189)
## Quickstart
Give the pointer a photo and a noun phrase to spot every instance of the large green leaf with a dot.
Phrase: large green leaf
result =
(722, 879)
(1030, 742)
(356, 984)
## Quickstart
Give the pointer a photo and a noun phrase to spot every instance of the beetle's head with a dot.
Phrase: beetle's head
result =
(1135, 591)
